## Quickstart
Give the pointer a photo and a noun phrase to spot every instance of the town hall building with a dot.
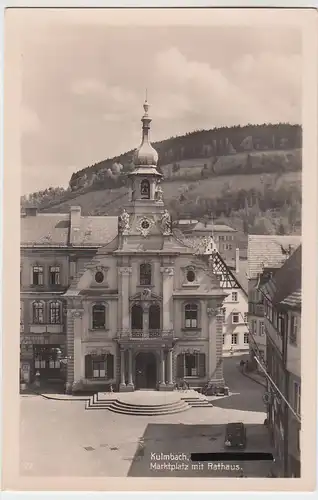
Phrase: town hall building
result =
(122, 301)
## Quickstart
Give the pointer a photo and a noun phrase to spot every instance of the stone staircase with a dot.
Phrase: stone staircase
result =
(148, 403)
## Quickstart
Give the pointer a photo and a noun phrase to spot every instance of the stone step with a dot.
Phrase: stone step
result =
(130, 406)
(143, 411)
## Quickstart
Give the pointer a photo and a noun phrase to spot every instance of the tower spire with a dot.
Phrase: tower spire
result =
(145, 155)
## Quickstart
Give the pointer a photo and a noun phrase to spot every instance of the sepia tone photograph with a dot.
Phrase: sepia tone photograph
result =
(160, 246)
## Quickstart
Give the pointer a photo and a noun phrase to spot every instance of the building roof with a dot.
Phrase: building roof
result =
(293, 300)
(201, 226)
(268, 251)
(53, 229)
(242, 275)
(285, 284)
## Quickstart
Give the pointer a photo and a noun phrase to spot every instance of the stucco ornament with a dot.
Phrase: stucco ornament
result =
(146, 294)
(123, 222)
(166, 223)
(144, 225)
(159, 192)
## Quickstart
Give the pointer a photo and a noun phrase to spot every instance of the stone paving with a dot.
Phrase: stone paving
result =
(61, 438)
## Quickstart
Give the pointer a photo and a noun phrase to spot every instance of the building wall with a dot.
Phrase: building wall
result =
(276, 409)
(171, 292)
(293, 362)
(256, 319)
(235, 306)
(294, 427)
(34, 334)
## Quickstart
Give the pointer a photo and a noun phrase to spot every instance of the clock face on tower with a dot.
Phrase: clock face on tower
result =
(144, 225)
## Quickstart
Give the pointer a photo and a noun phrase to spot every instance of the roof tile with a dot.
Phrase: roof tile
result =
(268, 251)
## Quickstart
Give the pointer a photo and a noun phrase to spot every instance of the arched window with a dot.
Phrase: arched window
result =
(136, 317)
(145, 189)
(55, 313)
(145, 274)
(98, 316)
(191, 315)
(154, 317)
(38, 312)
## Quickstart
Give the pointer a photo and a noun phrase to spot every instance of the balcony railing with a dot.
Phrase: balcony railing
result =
(144, 334)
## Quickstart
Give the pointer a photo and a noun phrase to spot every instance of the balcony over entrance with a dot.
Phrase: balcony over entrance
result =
(145, 334)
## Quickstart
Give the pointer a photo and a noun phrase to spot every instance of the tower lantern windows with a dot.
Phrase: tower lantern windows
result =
(145, 189)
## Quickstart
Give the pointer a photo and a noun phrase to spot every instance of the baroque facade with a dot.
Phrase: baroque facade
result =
(122, 301)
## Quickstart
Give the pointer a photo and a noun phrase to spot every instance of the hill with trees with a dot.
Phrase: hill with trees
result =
(248, 177)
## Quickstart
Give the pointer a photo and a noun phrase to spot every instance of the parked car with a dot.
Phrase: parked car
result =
(235, 435)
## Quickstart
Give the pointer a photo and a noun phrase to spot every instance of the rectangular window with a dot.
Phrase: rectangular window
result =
(54, 364)
(223, 339)
(191, 316)
(37, 275)
(261, 328)
(235, 318)
(54, 275)
(40, 364)
(246, 338)
(191, 365)
(293, 330)
(21, 313)
(99, 369)
(223, 314)
(221, 238)
(297, 397)
(38, 312)
(245, 317)
(234, 339)
(145, 274)
(234, 296)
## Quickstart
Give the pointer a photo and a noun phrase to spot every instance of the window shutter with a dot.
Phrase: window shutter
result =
(88, 366)
(201, 365)
(180, 370)
(110, 366)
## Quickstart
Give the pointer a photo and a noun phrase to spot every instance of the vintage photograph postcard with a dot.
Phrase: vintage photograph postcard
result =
(160, 225)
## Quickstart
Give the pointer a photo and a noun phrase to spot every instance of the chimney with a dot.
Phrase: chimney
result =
(237, 260)
(31, 211)
(75, 222)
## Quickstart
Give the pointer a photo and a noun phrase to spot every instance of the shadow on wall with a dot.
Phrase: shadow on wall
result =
(164, 451)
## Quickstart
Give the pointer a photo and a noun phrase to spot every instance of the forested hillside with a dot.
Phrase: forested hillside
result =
(248, 177)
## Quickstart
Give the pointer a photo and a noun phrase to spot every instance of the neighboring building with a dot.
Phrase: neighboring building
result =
(223, 236)
(282, 302)
(235, 313)
(123, 301)
(266, 254)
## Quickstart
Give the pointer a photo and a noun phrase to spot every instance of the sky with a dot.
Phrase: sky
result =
(83, 86)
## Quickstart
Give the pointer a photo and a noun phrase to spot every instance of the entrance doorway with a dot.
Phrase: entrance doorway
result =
(145, 370)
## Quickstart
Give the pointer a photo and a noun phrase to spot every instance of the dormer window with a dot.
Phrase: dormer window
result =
(145, 189)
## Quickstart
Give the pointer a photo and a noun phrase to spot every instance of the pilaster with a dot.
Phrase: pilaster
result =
(167, 291)
(124, 273)
(215, 373)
